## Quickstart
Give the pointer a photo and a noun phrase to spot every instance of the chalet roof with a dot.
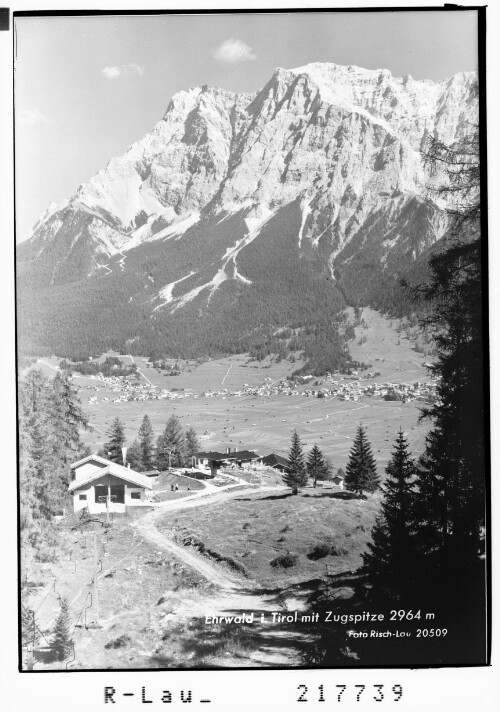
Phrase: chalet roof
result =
(88, 458)
(212, 455)
(111, 468)
(238, 455)
(241, 455)
(272, 460)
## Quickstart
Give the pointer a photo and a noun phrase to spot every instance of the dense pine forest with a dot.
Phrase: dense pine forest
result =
(50, 420)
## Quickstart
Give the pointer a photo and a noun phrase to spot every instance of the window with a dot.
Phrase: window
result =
(82, 496)
(135, 495)
(101, 492)
(117, 494)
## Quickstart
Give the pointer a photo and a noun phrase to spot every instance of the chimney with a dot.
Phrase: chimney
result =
(128, 465)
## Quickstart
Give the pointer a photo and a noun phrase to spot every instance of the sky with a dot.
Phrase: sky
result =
(88, 87)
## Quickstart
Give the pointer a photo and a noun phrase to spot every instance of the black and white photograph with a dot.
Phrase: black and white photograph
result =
(252, 341)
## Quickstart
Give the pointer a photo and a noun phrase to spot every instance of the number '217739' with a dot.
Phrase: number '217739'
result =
(351, 693)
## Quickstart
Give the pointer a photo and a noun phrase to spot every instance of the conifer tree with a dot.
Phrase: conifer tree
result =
(146, 443)
(134, 456)
(116, 435)
(316, 465)
(192, 444)
(62, 641)
(390, 559)
(329, 468)
(361, 471)
(451, 472)
(67, 415)
(171, 445)
(296, 477)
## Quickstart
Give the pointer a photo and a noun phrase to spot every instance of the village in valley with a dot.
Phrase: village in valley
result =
(345, 388)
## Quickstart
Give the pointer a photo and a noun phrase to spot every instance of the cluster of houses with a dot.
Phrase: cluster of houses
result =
(128, 388)
(213, 460)
(99, 486)
(233, 458)
(345, 388)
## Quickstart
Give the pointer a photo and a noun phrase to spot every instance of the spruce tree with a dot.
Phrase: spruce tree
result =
(67, 415)
(192, 444)
(171, 445)
(146, 443)
(452, 470)
(116, 435)
(62, 641)
(390, 559)
(361, 471)
(316, 465)
(296, 477)
(134, 456)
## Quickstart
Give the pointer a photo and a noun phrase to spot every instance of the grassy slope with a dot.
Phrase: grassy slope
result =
(255, 530)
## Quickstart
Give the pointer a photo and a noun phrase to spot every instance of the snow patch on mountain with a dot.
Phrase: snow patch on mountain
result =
(306, 211)
(176, 229)
(254, 225)
(167, 292)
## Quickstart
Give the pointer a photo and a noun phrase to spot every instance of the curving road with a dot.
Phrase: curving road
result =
(146, 526)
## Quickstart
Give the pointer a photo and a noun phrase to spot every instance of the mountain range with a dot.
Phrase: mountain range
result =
(241, 214)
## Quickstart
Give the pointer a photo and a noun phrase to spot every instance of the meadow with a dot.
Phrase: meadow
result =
(322, 531)
(265, 424)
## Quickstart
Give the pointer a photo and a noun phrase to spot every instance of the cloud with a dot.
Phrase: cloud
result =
(32, 117)
(234, 51)
(123, 70)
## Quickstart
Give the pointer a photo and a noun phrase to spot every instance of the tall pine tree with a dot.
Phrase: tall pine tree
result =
(296, 476)
(316, 465)
(192, 445)
(361, 471)
(171, 445)
(113, 447)
(451, 472)
(134, 456)
(146, 443)
(389, 562)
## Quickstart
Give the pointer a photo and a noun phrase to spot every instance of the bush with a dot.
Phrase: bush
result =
(285, 561)
(319, 552)
(120, 642)
(337, 550)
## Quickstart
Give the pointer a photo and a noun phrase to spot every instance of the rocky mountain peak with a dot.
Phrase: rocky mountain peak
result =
(324, 155)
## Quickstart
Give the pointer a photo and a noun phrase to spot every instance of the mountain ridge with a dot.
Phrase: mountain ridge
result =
(337, 150)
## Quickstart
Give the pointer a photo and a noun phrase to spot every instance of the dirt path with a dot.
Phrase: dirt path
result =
(146, 526)
(236, 593)
(227, 374)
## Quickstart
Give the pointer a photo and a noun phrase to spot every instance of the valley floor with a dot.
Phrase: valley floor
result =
(265, 424)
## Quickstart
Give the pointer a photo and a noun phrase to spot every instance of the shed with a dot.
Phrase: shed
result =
(276, 461)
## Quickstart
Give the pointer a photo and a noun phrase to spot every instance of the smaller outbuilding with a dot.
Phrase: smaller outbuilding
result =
(338, 481)
(100, 485)
(277, 462)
